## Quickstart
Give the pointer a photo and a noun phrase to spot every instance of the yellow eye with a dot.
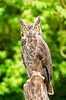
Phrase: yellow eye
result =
(24, 30)
(36, 28)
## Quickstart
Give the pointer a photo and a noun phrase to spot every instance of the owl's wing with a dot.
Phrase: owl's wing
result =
(44, 55)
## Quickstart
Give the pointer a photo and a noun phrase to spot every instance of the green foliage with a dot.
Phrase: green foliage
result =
(12, 72)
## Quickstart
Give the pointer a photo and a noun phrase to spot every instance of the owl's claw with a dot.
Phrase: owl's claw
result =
(27, 81)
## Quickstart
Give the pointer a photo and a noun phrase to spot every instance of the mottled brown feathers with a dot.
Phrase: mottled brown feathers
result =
(29, 26)
(35, 52)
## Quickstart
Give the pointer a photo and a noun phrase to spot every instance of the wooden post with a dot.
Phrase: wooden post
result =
(35, 88)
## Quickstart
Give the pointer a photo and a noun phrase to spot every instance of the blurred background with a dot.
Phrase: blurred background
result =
(53, 23)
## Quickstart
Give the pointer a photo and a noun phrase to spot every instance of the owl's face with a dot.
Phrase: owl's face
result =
(30, 29)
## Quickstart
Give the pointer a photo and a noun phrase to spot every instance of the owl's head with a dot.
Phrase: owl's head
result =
(30, 29)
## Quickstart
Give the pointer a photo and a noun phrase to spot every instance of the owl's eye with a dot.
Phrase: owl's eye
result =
(36, 28)
(24, 30)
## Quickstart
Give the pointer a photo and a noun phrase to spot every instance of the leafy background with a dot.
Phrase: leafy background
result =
(53, 23)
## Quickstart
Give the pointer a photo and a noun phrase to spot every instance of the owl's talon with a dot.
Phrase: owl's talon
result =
(28, 81)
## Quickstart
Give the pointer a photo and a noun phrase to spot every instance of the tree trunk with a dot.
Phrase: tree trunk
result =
(35, 88)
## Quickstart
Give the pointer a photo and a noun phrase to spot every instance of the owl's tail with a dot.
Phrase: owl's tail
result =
(50, 89)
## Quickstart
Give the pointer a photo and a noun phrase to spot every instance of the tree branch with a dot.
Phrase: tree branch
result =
(63, 3)
(35, 88)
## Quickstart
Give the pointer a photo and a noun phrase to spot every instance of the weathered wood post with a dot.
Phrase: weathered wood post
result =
(35, 88)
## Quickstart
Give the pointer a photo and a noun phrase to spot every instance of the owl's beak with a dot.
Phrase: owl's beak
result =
(30, 32)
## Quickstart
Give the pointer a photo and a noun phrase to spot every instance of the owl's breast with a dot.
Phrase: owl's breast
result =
(29, 51)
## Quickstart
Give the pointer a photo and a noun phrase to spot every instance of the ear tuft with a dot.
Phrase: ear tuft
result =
(38, 20)
(21, 22)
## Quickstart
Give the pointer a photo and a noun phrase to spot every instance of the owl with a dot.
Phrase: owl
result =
(35, 52)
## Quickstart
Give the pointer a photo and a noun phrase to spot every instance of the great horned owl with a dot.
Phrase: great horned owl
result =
(35, 52)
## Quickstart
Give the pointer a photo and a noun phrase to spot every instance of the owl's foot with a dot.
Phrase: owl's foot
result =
(50, 89)
(28, 81)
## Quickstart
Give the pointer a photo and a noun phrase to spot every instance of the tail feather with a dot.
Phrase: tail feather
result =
(50, 89)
